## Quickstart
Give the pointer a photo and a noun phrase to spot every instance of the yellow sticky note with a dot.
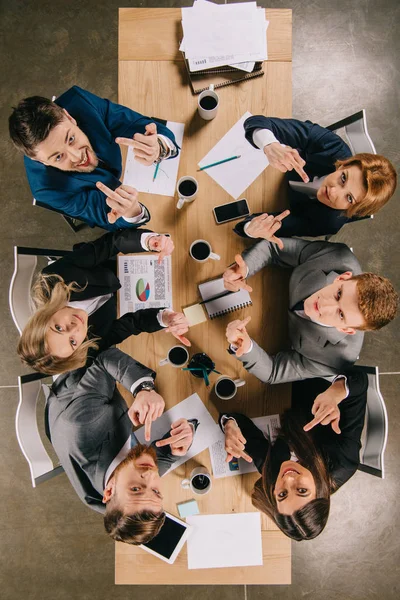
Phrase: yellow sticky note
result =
(195, 314)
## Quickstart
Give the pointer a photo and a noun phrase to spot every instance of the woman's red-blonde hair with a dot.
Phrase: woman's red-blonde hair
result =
(379, 178)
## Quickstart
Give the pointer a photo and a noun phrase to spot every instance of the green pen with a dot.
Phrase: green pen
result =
(220, 162)
(156, 171)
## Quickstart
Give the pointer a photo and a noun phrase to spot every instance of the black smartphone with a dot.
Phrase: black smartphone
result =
(231, 211)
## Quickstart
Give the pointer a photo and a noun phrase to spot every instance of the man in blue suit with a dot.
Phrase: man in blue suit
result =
(72, 157)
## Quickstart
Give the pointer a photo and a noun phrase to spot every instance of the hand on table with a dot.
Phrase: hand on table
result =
(162, 244)
(146, 408)
(285, 158)
(265, 226)
(123, 201)
(145, 147)
(237, 335)
(325, 408)
(177, 324)
(235, 276)
(180, 439)
(235, 442)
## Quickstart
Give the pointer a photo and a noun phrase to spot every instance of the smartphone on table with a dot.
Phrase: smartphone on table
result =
(231, 211)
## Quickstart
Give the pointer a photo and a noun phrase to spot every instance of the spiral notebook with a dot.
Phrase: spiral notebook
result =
(222, 306)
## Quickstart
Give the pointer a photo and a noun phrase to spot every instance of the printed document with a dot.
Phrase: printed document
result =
(144, 283)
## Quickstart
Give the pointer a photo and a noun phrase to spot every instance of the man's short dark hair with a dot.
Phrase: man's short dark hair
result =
(31, 122)
(137, 528)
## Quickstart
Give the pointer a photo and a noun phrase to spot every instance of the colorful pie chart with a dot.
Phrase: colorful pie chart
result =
(142, 290)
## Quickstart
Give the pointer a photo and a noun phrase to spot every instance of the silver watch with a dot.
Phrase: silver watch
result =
(146, 386)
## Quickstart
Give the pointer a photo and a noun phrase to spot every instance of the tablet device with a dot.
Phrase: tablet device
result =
(170, 540)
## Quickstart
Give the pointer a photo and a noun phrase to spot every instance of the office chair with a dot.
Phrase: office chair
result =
(355, 127)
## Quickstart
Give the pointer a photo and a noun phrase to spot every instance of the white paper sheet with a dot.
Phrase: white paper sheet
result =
(220, 468)
(144, 282)
(190, 408)
(141, 177)
(232, 540)
(235, 176)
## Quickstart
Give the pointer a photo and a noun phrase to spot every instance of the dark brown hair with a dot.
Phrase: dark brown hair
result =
(138, 528)
(31, 122)
(309, 521)
(377, 300)
(379, 180)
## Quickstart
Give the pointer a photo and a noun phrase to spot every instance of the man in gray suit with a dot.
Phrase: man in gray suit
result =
(330, 304)
(90, 428)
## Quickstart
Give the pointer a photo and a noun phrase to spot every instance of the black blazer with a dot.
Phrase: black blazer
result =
(341, 451)
(91, 265)
(320, 148)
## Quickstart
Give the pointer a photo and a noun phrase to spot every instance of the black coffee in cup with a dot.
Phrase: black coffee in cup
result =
(200, 251)
(200, 482)
(208, 102)
(225, 388)
(187, 188)
(178, 356)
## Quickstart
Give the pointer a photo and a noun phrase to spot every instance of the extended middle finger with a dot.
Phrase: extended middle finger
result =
(140, 147)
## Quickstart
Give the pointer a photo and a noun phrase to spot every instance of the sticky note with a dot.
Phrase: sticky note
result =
(189, 508)
(195, 314)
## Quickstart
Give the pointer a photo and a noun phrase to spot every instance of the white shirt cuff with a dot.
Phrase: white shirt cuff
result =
(224, 419)
(345, 383)
(173, 151)
(235, 348)
(139, 381)
(136, 219)
(144, 238)
(248, 234)
(160, 315)
(263, 137)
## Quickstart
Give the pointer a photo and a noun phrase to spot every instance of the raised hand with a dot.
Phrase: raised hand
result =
(265, 226)
(180, 439)
(177, 324)
(145, 147)
(285, 158)
(123, 201)
(237, 335)
(235, 276)
(162, 244)
(325, 408)
(235, 442)
(146, 408)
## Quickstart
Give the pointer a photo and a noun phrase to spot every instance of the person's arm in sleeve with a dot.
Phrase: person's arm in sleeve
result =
(256, 445)
(168, 453)
(132, 323)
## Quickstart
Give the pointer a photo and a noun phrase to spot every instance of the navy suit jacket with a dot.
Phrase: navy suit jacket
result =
(320, 148)
(75, 194)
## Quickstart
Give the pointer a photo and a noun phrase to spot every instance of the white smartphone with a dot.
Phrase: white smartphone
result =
(231, 211)
(170, 540)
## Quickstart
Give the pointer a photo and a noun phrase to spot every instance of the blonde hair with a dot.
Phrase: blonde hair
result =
(379, 179)
(50, 293)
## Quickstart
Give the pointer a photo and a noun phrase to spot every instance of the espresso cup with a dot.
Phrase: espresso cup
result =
(199, 481)
(201, 251)
(177, 357)
(226, 388)
(187, 188)
(207, 104)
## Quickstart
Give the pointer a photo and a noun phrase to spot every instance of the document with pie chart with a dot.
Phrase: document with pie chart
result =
(144, 282)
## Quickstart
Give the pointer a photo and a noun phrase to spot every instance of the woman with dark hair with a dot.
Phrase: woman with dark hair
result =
(307, 462)
(76, 305)
(328, 186)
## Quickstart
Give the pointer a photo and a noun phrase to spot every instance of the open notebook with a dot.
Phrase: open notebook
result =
(224, 305)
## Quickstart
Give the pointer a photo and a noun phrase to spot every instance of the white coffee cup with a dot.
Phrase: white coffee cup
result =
(199, 481)
(201, 251)
(207, 104)
(177, 357)
(186, 196)
(232, 384)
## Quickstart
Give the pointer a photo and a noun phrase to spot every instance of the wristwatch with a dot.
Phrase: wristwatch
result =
(146, 386)
(163, 151)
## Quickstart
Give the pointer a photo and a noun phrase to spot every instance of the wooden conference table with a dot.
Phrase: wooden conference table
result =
(153, 81)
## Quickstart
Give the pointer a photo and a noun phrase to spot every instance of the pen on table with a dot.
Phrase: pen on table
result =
(156, 171)
(220, 162)
(222, 295)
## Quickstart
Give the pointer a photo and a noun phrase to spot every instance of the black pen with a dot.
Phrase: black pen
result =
(222, 295)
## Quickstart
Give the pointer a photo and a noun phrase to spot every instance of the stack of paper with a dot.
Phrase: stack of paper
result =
(217, 35)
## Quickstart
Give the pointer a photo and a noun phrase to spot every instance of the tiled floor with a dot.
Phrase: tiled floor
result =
(345, 57)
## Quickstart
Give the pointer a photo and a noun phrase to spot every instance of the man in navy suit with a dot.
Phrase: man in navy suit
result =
(73, 160)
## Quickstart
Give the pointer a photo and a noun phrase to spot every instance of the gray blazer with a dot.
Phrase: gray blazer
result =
(88, 422)
(317, 351)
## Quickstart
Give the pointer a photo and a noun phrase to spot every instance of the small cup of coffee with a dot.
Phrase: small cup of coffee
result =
(177, 357)
(226, 388)
(207, 104)
(201, 251)
(199, 481)
(187, 190)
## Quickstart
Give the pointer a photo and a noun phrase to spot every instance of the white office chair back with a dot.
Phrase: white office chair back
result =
(40, 464)
(372, 453)
(356, 131)
(20, 288)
